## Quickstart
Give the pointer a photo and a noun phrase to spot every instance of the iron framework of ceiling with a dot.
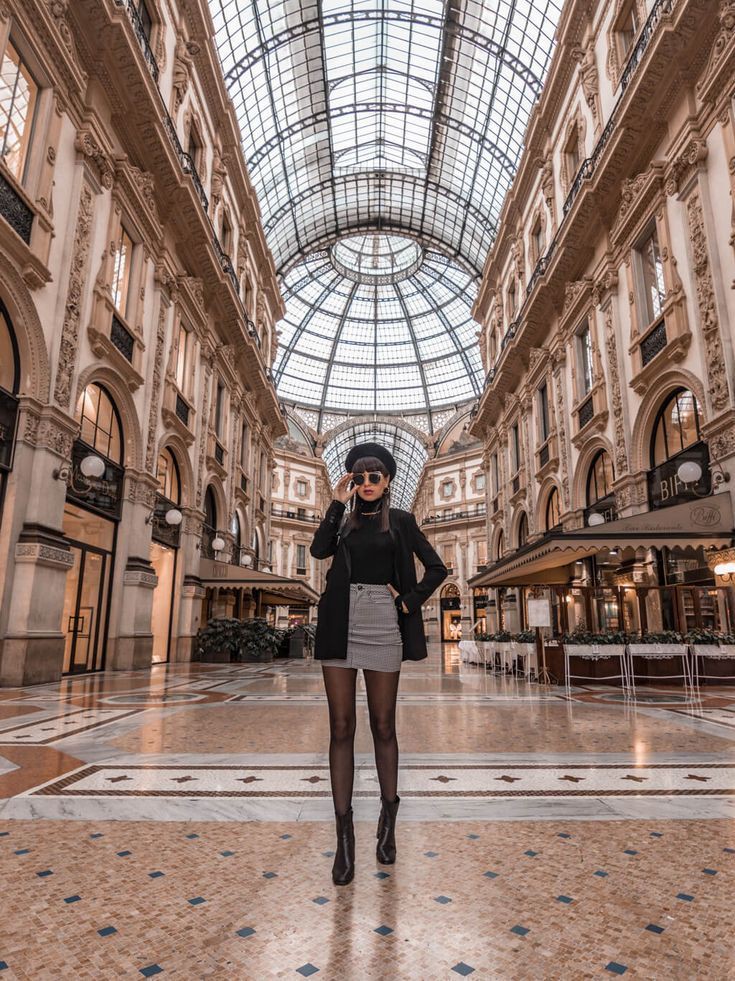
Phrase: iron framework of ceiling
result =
(383, 114)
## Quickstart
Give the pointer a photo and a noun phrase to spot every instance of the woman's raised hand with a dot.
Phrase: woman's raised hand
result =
(341, 491)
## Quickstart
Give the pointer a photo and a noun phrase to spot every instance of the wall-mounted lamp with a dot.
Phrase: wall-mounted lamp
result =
(596, 519)
(218, 543)
(172, 517)
(690, 472)
(91, 466)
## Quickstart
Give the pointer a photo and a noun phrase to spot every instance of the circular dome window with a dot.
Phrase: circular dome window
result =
(376, 258)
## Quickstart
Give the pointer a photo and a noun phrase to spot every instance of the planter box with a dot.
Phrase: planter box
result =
(651, 651)
(595, 652)
(720, 651)
(214, 657)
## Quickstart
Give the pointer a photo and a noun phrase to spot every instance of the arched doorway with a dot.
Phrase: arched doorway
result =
(164, 553)
(91, 515)
(209, 531)
(450, 604)
(677, 439)
(9, 382)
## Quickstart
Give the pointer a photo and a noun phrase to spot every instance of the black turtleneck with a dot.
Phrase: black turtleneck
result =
(371, 553)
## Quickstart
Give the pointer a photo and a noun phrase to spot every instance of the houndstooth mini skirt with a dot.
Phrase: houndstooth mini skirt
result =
(374, 637)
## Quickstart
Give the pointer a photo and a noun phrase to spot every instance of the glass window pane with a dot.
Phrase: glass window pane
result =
(18, 96)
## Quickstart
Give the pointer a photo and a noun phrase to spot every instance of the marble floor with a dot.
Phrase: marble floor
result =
(179, 821)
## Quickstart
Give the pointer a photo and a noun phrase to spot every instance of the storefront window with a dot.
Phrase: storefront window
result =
(100, 425)
(168, 477)
(600, 496)
(677, 427)
(523, 530)
(553, 510)
(600, 479)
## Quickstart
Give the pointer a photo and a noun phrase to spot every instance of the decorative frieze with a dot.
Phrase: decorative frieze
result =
(616, 397)
(74, 298)
(40, 554)
(155, 389)
(709, 321)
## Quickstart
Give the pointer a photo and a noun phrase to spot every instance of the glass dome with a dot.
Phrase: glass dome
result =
(376, 258)
(376, 324)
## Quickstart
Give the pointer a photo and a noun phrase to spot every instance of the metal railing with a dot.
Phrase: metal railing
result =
(122, 338)
(15, 210)
(298, 515)
(142, 36)
(654, 342)
(477, 512)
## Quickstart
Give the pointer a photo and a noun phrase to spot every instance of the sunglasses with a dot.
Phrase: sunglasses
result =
(374, 478)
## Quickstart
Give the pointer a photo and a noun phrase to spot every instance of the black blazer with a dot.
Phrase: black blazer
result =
(334, 604)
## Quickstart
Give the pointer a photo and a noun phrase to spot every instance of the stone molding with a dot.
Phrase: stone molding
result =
(41, 554)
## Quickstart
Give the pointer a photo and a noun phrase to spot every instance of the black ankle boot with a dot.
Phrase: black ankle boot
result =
(386, 835)
(344, 860)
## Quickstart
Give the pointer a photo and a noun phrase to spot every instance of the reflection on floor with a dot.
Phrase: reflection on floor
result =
(179, 821)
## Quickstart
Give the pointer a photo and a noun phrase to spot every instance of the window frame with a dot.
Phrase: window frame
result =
(31, 124)
(660, 420)
(542, 395)
(585, 357)
(97, 428)
(515, 446)
(592, 478)
(553, 498)
(645, 302)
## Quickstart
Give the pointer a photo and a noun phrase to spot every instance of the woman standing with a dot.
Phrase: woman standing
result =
(369, 618)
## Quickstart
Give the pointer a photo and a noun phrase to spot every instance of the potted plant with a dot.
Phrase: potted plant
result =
(257, 640)
(502, 644)
(523, 647)
(595, 647)
(666, 643)
(217, 640)
(710, 644)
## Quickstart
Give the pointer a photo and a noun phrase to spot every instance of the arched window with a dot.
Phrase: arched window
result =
(678, 426)
(523, 530)
(101, 428)
(236, 534)
(600, 478)
(500, 547)
(210, 510)
(9, 361)
(553, 510)
(168, 476)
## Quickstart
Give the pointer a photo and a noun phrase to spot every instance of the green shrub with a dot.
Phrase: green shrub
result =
(242, 640)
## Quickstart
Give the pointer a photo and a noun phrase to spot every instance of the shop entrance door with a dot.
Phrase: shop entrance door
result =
(91, 540)
(85, 608)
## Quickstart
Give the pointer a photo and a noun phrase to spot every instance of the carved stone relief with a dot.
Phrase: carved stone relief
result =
(616, 398)
(714, 358)
(156, 385)
(74, 296)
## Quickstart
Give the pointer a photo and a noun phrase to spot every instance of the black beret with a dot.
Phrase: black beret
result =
(371, 449)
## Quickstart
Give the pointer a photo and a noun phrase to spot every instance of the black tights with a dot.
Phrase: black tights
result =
(382, 690)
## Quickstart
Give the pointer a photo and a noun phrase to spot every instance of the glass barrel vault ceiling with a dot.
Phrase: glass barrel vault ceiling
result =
(374, 324)
(404, 115)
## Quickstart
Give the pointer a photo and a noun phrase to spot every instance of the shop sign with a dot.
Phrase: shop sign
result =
(666, 488)
(539, 612)
(8, 419)
(102, 494)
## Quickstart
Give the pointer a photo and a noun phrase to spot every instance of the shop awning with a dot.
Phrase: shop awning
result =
(274, 590)
(694, 524)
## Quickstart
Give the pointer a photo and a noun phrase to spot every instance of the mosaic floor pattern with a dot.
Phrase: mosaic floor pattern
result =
(179, 822)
